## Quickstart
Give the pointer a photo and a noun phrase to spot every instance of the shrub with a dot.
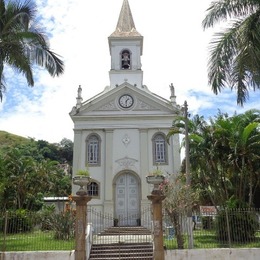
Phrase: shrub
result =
(18, 221)
(45, 217)
(63, 225)
(242, 224)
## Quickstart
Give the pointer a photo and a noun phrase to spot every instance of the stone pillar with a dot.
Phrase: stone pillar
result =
(81, 224)
(157, 199)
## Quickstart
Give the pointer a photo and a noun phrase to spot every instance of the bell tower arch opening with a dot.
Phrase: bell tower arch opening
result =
(125, 60)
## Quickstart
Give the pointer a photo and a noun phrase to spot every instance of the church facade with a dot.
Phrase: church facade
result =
(120, 134)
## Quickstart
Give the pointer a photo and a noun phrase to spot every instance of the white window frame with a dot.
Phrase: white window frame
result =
(93, 150)
(93, 189)
(160, 154)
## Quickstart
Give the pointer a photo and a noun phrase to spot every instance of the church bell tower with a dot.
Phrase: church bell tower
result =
(126, 47)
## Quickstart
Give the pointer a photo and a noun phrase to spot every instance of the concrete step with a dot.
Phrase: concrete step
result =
(122, 246)
(125, 231)
(142, 251)
(122, 257)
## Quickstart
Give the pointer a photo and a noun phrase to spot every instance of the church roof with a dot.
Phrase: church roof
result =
(125, 25)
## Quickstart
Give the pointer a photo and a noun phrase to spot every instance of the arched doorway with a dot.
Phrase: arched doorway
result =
(127, 199)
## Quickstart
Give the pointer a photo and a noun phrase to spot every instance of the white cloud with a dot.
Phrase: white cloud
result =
(175, 51)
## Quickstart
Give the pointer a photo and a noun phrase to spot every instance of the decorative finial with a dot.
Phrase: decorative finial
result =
(79, 97)
(172, 97)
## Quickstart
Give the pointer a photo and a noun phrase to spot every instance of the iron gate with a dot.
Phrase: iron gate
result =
(111, 238)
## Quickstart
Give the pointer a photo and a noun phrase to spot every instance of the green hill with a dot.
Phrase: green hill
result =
(39, 149)
(11, 140)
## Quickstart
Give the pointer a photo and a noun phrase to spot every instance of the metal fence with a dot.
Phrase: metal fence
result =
(33, 231)
(219, 229)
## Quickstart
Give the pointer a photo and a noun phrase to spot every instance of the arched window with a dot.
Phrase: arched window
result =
(159, 149)
(93, 150)
(93, 189)
(125, 60)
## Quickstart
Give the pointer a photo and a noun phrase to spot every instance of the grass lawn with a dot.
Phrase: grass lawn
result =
(44, 241)
(34, 241)
(207, 239)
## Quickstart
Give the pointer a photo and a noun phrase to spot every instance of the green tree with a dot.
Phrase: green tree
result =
(18, 170)
(48, 150)
(23, 43)
(25, 180)
(224, 157)
(235, 52)
(179, 198)
(3, 182)
(40, 150)
(244, 142)
(66, 150)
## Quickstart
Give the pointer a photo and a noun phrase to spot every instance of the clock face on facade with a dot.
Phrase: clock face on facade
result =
(126, 101)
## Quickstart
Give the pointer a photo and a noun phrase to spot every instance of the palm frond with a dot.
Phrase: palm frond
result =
(223, 10)
(22, 44)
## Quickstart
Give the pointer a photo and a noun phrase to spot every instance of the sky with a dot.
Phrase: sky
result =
(175, 51)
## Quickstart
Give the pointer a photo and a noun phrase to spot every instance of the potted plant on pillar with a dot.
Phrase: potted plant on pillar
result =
(155, 177)
(82, 178)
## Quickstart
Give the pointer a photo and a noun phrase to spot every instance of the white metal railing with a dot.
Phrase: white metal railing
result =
(89, 238)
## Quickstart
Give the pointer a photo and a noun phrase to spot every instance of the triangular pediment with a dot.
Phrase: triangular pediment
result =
(143, 102)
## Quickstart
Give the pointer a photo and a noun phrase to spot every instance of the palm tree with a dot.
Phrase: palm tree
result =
(235, 52)
(22, 44)
(224, 157)
(244, 143)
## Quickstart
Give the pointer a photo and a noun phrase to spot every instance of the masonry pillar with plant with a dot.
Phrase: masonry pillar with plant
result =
(82, 178)
(155, 178)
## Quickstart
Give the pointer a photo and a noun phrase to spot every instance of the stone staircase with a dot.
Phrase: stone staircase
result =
(125, 231)
(131, 243)
(142, 251)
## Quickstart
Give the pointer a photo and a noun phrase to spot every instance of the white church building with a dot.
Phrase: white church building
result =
(121, 132)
